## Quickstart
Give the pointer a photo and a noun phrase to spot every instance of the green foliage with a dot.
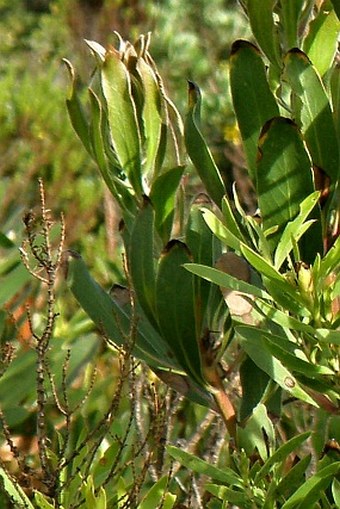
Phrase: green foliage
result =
(206, 282)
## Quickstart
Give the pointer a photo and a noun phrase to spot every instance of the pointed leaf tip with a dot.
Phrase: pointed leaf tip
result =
(194, 94)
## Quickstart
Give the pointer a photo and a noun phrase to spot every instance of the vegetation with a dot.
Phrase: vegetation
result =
(208, 375)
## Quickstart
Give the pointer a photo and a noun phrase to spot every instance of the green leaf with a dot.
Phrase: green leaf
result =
(281, 454)
(251, 393)
(290, 355)
(295, 229)
(330, 261)
(314, 112)
(76, 112)
(13, 282)
(225, 476)
(122, 118)
(201, 244)
(156, 494)
(322, 40)
(15, 493)
(20, 377)
(230, 220)
(328, 336)
(225, 280)
(311, 491)
(260, 14)
(335, 94)
(176, 308)
(198, 151)
(98, 146)
(336, 5)
(151, 114)
(283, 319)
(239, 498)
(283, 176)
(258, 433)
(290, 16)
(294, 478)
(5, 242)
(253, 100)
(112, 318)
(256, 347)
(270, 273)
(141, 260)
(336, 491)
(222, 232)
(163, 198)
(97, 50)
(42, 502)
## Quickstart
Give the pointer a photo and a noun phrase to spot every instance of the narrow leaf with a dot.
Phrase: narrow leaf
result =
(198, 151)
(141, 260)
(295, 229)
(225, 280)
(263, 27)
(322, 40)
(176, 308)
(314, 112)
(290, 15)
(14, 491)
(122, 117)
(253, 100)
(163, 198)
(310, 492)
(283, 176)
(226, 476)
(222, 232)
(156, 494)
(257, 349)
(75, 110)
(294, 478)
(151, 114)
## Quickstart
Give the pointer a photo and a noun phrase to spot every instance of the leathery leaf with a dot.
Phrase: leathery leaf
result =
(253, 100)
(122, 118)
(198, 151)
(284, 179)
(176, 307)
(141, 260)
(114, 319)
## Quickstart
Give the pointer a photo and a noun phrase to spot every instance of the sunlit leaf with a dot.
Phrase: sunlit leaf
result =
(14, 491)
(262, 24)
(156, 495)
(321, 42)
(122, 118)
(310, 492)
(283, 178)
(314, 112)
(294, 230)
(226, 476)
(257, 349)
(225, 280)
